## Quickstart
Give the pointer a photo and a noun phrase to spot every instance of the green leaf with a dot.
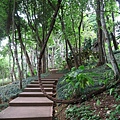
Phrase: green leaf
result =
(98, 102)
(77, 85)
(111, 91)
(67, 80)
(73, 69)
(118, 108)
(81, 67)
(109, 65)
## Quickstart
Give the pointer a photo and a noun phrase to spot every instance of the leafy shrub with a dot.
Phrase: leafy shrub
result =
(12, 90)
(76, 82)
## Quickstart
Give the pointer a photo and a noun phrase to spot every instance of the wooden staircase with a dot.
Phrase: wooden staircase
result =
(31, 103)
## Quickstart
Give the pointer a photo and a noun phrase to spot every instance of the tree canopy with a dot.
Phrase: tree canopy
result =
(72, 37)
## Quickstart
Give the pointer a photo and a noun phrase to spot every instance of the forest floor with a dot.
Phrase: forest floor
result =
(105, 105)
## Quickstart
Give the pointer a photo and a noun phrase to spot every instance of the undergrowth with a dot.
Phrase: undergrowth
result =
(80, 112)
(82, 81)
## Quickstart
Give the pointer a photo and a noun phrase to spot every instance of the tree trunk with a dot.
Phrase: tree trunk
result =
(114, 41)
(12, 71)
(47, 58)
(15, 46)
(26, 54)
(25, 66)
(100, 40)
(79, 33)
(43, 35)
(105, 54)
(73, 28)
(74, 56)
(44, 55)
(44, 46)
(37, 57)
(18, 65)
(44, 63)
(24, 49)
(66, 39)
(67, 59)
(113, 33)
(110, 52)
(10, 68)
(22, 64)
(63, 30)
(113, 18)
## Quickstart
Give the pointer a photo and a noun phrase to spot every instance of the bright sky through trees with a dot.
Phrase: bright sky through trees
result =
(3, 42)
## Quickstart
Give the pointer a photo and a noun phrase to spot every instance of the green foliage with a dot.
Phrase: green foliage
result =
(13, 89)
(81, 112)
(76, 82)
(5, 81)
(98, 102)
(114, 114)
(108, 75)
(115, 92)
(63, 65)
(3, 18)
(4, 68)
(109, 65)
(111, 8)
(111, 91)
(3, 106)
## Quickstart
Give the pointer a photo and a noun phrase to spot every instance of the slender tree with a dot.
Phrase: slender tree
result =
(107, 37)
(68, 42)
(79, 34)
(12, 67)
(23, 46)
(100, 38)
(15, 45)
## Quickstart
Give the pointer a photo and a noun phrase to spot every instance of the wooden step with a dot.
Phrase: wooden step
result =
(33, 94)
(43, 82)
(32, 104)
(38, 86)
(31, 101)
(48, 79)
(27, 113)
(55, 76)
(38, 90)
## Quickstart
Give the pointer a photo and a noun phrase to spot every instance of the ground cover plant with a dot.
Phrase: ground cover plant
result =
(104, 106)
(11, 90)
